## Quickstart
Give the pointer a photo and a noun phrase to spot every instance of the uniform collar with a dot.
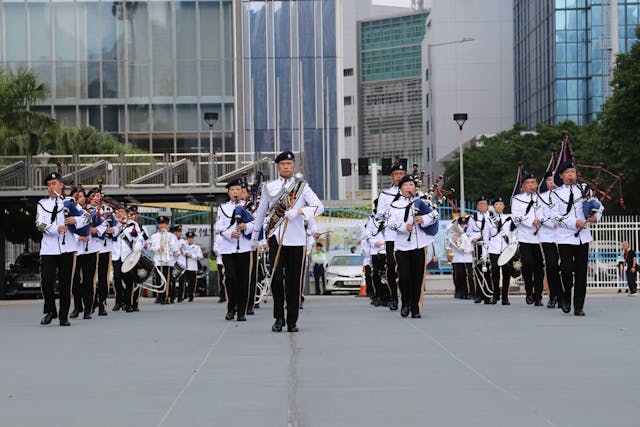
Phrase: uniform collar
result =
(283, 180)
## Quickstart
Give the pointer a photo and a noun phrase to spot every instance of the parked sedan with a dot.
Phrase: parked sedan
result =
(23, 277)
(344, 273)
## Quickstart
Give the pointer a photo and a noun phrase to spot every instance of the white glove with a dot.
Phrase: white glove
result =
(254, 244)
(291, 214)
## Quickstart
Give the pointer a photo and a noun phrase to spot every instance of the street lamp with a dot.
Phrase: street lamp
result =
(431, 136)
(460, 119)
(210, 119)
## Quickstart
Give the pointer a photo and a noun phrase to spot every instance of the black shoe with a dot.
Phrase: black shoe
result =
(385, 303)
(230, 315)
(416, 315)
(619, 290)
(489, 301)
(157, 301)
(478, 300)
(277, 325)
(47, 319)
(393, 305)
(376, 302)
(404, 311)
(242, 318)
(221, 300)
(250, 312)
(172, 301)
(75, 313)
(180, 300)
(102, 311)
(292, 328)
(552, 303)
(64, 322)
(128, 309)
(529, 299)
(87, 316)
(578, 312)
(135, 308)
(538, 303)
(626, 291)
(566, 307)
(505, 302)
(190, 299)
(117, 307)
(495, 300)
(256, 305)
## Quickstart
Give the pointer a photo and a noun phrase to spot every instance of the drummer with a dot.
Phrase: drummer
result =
(499, 238)
(165, 246)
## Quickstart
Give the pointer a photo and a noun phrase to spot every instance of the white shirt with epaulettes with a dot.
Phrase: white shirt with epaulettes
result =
(226, 225)
(525, 209)
(308, 202)
(566, 216)
(547, 232)
(95, 243)
(192, 253)
(373, 234)
(385, 198)
(51, 243)
(417, 238)
(499, 232)
(166, 258)
(129, 239)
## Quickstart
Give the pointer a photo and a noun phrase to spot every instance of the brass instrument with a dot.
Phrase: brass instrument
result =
(284, 200)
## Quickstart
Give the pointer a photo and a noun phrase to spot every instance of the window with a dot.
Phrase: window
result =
(347, 72)
(348, 131)
(348, 100)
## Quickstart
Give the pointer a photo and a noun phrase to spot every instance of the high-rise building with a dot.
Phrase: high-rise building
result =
(565, 52)
(145, 71)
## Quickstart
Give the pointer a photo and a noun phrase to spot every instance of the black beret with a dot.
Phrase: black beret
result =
(528, 175)
(285, 155)
(547, 174)
(132, 208)
(406, 178)
(77, 189)
(566, 165)
(481, 198)
(176, 228)
(52, 176)
(234, 183)
(398, 167)
(463, 220)
(496, 200)
(163, 219)
(190, 234)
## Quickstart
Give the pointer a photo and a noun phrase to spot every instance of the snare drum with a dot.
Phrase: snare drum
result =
(138, 265)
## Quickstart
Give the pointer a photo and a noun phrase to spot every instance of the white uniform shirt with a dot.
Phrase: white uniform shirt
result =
(181, 260)
(525, 208)
(566, 218)
(94, 244)
(52, 240)
(385, 199)
(463, 253)
(169, 242)
(308, 202)
(107, 242)
(417, 238)
(365, 250)
(499, 232)
(224, 227)
(547, 233)
(128, 240)
(374, 234)
(192, 254)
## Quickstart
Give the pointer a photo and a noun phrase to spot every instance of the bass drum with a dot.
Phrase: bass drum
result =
(176, 273)
(510, 259)
(138, 266)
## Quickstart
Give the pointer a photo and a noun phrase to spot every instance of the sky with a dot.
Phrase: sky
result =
(401, 3)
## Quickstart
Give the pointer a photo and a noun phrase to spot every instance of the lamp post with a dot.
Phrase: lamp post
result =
(460, 119)
(428, 146)
(210, 119)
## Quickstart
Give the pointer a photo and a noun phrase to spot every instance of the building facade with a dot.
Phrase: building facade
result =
(145, 71)
(291, 87)
(565, 53)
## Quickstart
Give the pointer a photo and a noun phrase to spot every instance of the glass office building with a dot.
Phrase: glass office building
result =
(145, 71)
(564, 56)
(290, 85)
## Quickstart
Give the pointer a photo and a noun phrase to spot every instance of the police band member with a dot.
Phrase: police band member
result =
(527, 215)
(499, 239)
(374, 237)
(104, 256)
(57, 249)
(479, 232)
(385, 199)
(132, 239)
(234, 226)
(573, 211)
(459, 242)
(192, 254)
(548, 237)
(164, 245)
(288, 241)
(181, 262)
(410, 216)
(117, 258)
(245, 196)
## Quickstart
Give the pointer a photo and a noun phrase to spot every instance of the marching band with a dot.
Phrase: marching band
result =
(547, 234)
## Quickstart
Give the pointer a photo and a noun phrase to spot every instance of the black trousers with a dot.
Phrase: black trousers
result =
(392, 274)
(253, 278)
(318, 275)
(368, 280)
(287, 279)
(573, 265)
(189, 278)
(131, 293)
(463, 279)
(532, 269)
(179, 288)
(496, 273)
(170, 290)
(378, 262)
(411, 267)
(102, 289)
(552, 269)
(223, 290)
(84, 282)
(118, 285)
(237, 270)
(60, 268)
(631, 281)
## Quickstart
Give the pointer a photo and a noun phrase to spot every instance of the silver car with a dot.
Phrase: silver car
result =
(344, 273)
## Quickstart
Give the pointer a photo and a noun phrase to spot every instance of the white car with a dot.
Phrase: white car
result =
(343, 273)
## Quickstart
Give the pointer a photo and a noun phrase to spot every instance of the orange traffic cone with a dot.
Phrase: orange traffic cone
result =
(363, 287)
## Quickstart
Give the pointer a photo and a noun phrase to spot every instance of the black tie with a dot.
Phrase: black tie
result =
(54, 213)
(570, 202)
(499, 223)
(529, 206)
(482, 224)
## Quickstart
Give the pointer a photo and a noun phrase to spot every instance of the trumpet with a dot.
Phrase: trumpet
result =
(164, 245)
